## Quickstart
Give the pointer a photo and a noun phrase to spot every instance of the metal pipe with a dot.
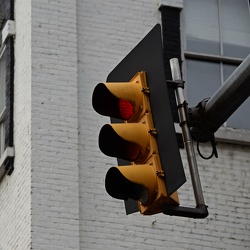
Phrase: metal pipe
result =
(187, 138)
(229, 96)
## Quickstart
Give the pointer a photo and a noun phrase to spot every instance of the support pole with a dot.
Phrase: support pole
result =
(201, 209)
(187, 138)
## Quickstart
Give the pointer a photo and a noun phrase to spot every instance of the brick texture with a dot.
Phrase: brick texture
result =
(54, 121)
(15, 190)
(55, 198)
(171, 47)
(111, 29)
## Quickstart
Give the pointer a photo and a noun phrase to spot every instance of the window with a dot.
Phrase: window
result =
(216, 41)
(7, 31)
(2, 101)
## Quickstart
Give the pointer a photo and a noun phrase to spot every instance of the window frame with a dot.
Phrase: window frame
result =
(3, 111)
(2, 131)
(224, 134)
(6, 114)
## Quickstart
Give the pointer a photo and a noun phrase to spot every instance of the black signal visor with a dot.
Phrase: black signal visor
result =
(104, 102)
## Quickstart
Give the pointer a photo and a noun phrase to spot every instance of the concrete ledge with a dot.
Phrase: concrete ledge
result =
(171, 3)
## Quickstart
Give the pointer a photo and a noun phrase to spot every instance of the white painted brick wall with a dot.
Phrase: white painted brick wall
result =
(55, 198)
(107, 31)
(54, 176)
(15, 190)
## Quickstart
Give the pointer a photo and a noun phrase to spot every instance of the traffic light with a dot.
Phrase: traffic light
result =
(135, 140)
(136, 96)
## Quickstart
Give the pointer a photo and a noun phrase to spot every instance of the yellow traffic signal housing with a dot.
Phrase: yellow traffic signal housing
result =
(134, 140)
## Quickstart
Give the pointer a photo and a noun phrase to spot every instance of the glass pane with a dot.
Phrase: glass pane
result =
(203, 79)
(241, 117)
(235, 27)
(2, 83)
(202, 26)
(1, 138)
(228, 69)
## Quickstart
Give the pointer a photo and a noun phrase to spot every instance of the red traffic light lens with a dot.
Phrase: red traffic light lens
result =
(126, 109)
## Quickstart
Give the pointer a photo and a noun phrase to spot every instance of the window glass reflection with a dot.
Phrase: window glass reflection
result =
(202, 26)
(203, 79)
(241, 117)
(235, 28)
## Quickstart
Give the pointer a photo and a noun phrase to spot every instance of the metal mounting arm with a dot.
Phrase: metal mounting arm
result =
(208, 116)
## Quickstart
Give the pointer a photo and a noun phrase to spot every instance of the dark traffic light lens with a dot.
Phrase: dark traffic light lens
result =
(112, 144)
(119, 187)
(126, 109)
